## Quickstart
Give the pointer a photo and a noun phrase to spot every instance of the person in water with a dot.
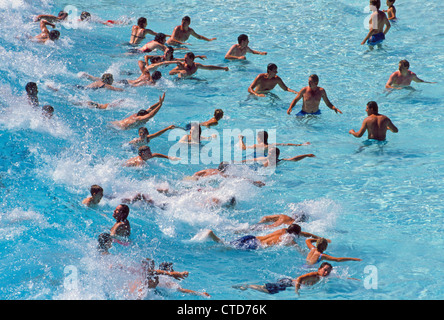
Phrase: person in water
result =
(307, 279)
(105, 242)
(378, 20)
(265, 82)
(391, 11)
(96, 192)
(144, 136)
(85, 16)
(45, 34)
(146, 78)
(157, 44)
(62, 16)
(182, 33)
(375, 124)
(214, 121)
(105, 82)
(283, 236)
(262, 144)
(311, 96)
(122, 226)
(272, 158)
(141, 117)
(32, 94)
(189, 67)
(317, 253)
(145, 154)
(139, 31)
(403, 77)
(195, 135)
(168, 55)
(238, 51)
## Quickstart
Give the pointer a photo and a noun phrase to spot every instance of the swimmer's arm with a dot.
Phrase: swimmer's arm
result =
(328, 103)
(209, 123)
(309, 243)
(361, 131)
(337, 259)
(291, 144)
(46, 17)
(300, 157)
(159, 155)
(391, 126)
(204, 294)
(44, 23)
(299, 280)
(416, 79)
(113, 88)
(295, 100)
(89, 77)
(153, 109)
(154, 135)
(175, 274)
(370, 33)
(241, 142)
(262, 53)
(209, 67)
(198, 36)
(284, 87)
(254, 84)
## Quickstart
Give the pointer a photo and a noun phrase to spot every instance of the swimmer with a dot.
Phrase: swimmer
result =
(168, 55)
(96, 105)
(48, 111)
(189, 67)
(122, 226)
(146, 199)
(105, 243)
(139, 31)
(146, 78)
(280, 237)
(145, 137)
(96, 195)
(376, 124)
(195, 136)
(262, 143)
(157, 44)
(221, 171)
(265, 82)
(272, 159)
(391, 11)
(280, 219)
(105, 81)
(31, 92)
(308, 279)
(144, 155)
(218, 114)
(311, 96)
(403, 77)
(182, 32)
(86, 17)
(46, 35)
(317, 254)
(140, 117)
(50, 18)
(239, 50)
(378, 20)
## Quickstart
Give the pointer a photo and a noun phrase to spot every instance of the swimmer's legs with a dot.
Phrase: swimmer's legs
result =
(210, 235)
(256, 287)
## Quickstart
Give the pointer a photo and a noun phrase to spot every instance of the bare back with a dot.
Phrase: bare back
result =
(377, 126)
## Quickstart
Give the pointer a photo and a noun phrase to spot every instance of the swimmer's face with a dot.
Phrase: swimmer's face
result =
(325, 271)
(188, 60)
(185, 23)
(118, 213)
(312, 83)
(168, 54)
(272, 72)
(402, 66)
(244, 43)
(146, 154)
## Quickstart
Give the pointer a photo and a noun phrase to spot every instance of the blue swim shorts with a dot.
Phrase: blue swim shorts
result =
(303, 113)
(376, 39)
(246, 243)
(279, 285)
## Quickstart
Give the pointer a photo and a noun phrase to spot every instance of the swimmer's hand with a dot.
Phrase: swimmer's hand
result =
(289, 111)
(336, 110)
(225, 68)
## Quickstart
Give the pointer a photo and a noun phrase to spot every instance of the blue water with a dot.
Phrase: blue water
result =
(382, 204)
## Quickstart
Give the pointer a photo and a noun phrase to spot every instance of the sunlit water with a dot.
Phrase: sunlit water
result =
(382, 204)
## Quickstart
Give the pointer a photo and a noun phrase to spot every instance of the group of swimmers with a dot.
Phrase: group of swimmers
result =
(375, 124)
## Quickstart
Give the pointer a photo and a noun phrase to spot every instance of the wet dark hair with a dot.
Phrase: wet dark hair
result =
(62, 14)
(271, 66)
(125, 210)
(294, 229)
(155, 59)
(156, 75)
(186, 18)
(323, 264)
(85, 16)
(108, 78)
(190, 55)
(95, 188)
(321, 244)
(405, 63)
(141, 21)
(144, 129)
(54, 35)
(166, 266)
(241, 38)
(264, 136)
(142, 149)
(160, 37)
(48, 110)
(31, 87)
(223, 166)
(373, 105)
(376, 3)
(104, 240)
(218, 114)
(142, 112)
(315, 78)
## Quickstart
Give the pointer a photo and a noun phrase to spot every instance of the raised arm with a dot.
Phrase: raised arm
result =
(154, 135)
(153, 109)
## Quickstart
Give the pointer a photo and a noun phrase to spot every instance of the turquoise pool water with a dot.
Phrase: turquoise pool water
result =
(382, 204)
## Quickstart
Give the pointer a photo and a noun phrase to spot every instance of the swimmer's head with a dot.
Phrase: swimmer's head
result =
(223, 166)
(404, 64)
(372, 108)
(142, 22)
(85, 16)
(108, 78)
(190, 56)
(145, 152)
(300, 217)
(218, 114)
(326, 268)
(48, 110)
(242, 38)
(273, 153)
(121, 212)
(321, 244)
(313, 80)
(143, 132)
(166, 266)
(271, 67)
(376, 3)
(294, 229)
(155, 59)
(54, 35)
(230, 203)
(31, 88)
(169, 53)
(142, 112)
(186, 20)
(156, 75)
(105, 242)
(96, 190)
(262, 136)
(62, 15)
(160, 37)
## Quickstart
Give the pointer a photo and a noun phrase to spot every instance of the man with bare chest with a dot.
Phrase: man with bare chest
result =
(265, 82)
(375, 124)
(183, 32)
(189, 67)
(312, 95)
(403, 77)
